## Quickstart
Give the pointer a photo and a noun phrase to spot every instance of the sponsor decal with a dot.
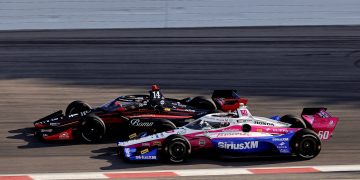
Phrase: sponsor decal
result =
(189, 110)
(157, 143)
(239, 146)
(167, 109)
(245, 120)
(280, 139)
(284, 151)
(264, 123)
(281, 146)
(127, 152)
(145, 157)
(230, 130)
(181, 131)
(145, 144)
(244, 112)
(277, 130)
(230, 134)
(323, 114)
(137, 122)
(64, 135)
(132, 136)
(201, 142)
(258, 130)
(46, 130)
(162, 102)
(54, 124)
(144, 151)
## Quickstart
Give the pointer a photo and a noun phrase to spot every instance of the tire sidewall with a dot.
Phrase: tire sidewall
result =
(302, 136)
(295, 122)
(92, 122)
(202, 103)
(170, 143)
(76, 107)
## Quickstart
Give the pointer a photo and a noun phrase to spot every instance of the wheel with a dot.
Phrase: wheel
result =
(202, 103)
(92, 129)
(163, 127)
(294, 121)
(176, 149)
(306, 144)
(76, 107)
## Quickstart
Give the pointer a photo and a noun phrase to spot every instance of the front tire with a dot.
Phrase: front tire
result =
(92, 129)
(306, 144)
(176, 149)
(76, 107)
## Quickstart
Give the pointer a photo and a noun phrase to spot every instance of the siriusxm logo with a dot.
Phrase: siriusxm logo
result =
(239, 146)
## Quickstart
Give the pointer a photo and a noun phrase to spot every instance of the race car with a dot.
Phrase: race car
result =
(128, 114)
(236, 134)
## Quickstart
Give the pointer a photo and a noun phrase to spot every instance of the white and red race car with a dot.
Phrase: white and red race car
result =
(237, 133)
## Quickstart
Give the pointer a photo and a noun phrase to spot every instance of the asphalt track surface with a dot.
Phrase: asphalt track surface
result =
(279, 69)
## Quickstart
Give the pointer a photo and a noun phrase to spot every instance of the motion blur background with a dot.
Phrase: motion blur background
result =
(54, 52)
(83, 14)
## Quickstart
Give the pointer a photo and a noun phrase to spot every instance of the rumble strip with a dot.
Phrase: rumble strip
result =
(188, 172)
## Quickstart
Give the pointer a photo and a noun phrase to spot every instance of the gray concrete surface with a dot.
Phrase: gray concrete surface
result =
(83, 14)
(280, 70)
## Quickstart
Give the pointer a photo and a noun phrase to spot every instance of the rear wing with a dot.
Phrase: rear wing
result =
(227, 100)
(320, 121)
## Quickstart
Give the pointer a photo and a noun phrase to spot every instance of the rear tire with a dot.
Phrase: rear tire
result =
(202, 103)
(76, 107)
(164, 127)
(92, 129)
(294, 121)
(306, 144)
(176, 149)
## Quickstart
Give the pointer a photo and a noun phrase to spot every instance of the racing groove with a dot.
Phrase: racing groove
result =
(280, 70)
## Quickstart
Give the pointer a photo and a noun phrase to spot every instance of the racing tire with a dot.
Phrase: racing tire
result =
(92, 129)
(306, 144)
(164, 127)
(202, 103)
(176, 149)
(295, 122)
(76, 107)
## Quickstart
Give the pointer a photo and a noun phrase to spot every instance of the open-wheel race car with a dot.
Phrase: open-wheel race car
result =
(236, 134)
(132, 113)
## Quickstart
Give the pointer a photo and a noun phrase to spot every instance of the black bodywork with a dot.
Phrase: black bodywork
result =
(129, 115)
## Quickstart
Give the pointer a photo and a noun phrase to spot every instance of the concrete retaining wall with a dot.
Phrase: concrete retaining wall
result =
(73, 14)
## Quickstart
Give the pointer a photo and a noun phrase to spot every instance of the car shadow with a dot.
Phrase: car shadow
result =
(110, 155)
(27, 135)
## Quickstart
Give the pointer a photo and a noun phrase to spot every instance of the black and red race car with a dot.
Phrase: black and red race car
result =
(128, 115)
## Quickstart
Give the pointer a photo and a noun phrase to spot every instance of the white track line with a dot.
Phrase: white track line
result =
(186, 172)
